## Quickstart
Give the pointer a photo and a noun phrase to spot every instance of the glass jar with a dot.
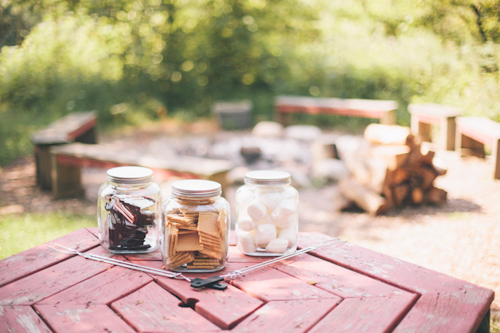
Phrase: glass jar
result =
(196, 227)
(267, 214)
(128, 211)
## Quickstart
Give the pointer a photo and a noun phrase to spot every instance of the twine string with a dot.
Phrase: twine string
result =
(237, 273)
(116, 262)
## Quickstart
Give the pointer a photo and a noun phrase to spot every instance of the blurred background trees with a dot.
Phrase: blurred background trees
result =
(138, 61)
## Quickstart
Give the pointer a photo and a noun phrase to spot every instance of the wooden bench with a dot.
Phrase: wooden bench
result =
(75, 127)
(473, 133)
(68, 160)
(377, 109)
(424, 115)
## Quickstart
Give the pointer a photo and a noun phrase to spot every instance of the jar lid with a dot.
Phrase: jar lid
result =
(196, 188)
(267, 177)
(130, 175)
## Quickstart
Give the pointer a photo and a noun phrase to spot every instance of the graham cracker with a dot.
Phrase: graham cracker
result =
(188, 242)
(180, 259)
(207, 223)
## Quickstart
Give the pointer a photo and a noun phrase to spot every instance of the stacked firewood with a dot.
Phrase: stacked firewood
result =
(393, 170)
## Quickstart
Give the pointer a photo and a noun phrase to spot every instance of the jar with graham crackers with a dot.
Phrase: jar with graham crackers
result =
(196, 227)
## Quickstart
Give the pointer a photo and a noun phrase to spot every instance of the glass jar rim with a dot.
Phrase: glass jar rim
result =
(196, 188)
(129, 175)
(268, 177)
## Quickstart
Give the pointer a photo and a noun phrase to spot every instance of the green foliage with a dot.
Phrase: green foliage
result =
(20, 233)
(136, 61)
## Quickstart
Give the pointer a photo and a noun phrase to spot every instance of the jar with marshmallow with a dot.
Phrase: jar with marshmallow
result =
(267, 214)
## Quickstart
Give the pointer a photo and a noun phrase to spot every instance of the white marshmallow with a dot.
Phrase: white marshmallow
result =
(277, 246)
(245, 242)
(271, 200)
(283, 211)
(290, 234)
(266, 220)
(264, 233)
(246, 224)
(256, 210)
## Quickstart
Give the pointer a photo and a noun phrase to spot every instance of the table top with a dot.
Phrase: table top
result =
(336, 288)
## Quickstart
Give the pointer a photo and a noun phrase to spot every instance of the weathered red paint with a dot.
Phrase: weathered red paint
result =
(336, 288)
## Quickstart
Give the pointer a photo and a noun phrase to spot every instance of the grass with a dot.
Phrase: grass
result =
(495, 324)
(19, 233)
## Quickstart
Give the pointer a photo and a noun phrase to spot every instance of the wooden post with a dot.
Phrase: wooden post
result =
(43, 166)
(423, 130)
(447, 132)
(495, 154)
(66, 180)
(388, 118)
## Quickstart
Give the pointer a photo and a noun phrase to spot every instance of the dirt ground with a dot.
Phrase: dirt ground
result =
(460, 238)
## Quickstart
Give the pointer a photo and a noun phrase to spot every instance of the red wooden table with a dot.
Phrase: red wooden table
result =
(337, 288)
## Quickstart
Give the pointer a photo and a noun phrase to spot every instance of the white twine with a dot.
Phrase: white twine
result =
(116, 262)
(237, 273)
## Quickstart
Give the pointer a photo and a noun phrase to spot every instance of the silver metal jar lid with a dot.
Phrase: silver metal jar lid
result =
(196, 188)
(130, 175)
(267, 177)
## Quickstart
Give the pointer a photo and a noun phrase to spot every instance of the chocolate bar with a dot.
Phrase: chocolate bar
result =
(128, 222)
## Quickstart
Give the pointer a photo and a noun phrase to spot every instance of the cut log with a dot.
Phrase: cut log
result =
(436, 196)
(370, 172)
(417, 195)
(365, 198)
(389, 135)
(395, 156)
(427, 155)
(340, 202)
(400, 193)
(415, 156)
(425, 175)
(398, 176)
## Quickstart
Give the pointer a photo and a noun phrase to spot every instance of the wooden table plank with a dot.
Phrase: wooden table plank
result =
(442, 296)
(21, 319)
(383, 267)
(104, 288)
(278, 286)
(370, 314)
(286, 316)
(336, 279)
(223, 308)
(82, 318)
(40, 257)
(152, 308)
(459, 311)
(45, 283)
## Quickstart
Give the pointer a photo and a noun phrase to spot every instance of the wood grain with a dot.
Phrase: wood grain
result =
(104, 288)
(151, 308)
(21, 319)
(286, 316)
(40, 257)
(371, 314)
(82, 318)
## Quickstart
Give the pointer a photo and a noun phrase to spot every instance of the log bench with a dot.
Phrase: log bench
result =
(68, 160)
(473, 133)
(75, 127)
(425, 115)
(385, 111)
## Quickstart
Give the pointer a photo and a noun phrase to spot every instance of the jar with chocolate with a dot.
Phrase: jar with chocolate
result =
(129, 211)
(267, 214)
(196, 227)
